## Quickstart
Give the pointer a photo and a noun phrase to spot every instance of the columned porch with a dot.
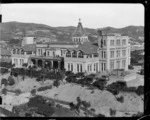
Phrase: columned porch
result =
(48, 62)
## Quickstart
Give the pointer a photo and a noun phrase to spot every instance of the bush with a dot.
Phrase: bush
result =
(4, 81)
(99, 84)
(100, 115)
(4, 91)
(33, 92)
(56, 83)
(86, 104)
(11, 80)
(69, 73)
(112, 112)
(18, 91)
(140, 90)
(130, 67)
(3, 70)
(120, 99)
(72, 105)
(44, 88)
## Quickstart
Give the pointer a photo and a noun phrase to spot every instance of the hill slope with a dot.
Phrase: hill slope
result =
(17, 29)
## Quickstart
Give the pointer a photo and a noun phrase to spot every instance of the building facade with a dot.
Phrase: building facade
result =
(112, 51)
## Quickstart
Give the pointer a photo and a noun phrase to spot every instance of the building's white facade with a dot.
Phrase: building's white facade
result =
(28, 40)
(114, 52)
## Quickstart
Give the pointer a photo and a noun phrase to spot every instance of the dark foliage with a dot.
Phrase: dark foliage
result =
(120, 99)
(140, 90)
(112, 112)
(33, 92)
(130, 67)
(3, 70)
(56, 83)
(100, 115)
(4, 91)
(99, 84)
(44, 88)
(5, 64)
(39, 103)
(69, 73)
(115, 87)
(4, 81)
(11, 80)
(18, 92)
(80, 75)
(72, 105)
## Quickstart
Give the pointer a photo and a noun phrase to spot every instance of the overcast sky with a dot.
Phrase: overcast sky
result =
(91, 15)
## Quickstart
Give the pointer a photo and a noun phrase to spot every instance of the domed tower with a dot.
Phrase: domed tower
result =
(79, 35)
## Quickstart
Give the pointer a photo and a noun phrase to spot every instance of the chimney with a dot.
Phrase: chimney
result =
(100, 37)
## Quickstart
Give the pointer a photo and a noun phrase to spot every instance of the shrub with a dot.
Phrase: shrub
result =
(139, 114)
(4, 91)
(3, 70)
(120, 99)
(100, 115)
(86, 104)
(72, 105)
(112, 112)
(11, 80)
(140, 90)
(33, 92)
(44, 88)
(56, 83)
(18, 91)
(4, 81)
(69, 73)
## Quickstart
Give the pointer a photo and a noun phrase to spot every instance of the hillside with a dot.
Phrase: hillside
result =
(11, 30)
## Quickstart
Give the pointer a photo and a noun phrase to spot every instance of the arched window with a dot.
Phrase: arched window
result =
(14, 51)
(68, 54)
(22, 52)
(80, 54)
(18, 51)
(74, 54)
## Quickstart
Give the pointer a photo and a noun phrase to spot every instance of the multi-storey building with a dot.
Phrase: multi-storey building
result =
(79, 55)
(114, 51)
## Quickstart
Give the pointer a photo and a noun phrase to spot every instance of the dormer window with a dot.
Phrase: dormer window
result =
(74, 54)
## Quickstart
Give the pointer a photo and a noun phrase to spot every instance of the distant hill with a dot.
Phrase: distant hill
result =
(15, 29)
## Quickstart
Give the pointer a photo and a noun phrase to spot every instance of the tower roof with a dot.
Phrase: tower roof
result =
(79, 31)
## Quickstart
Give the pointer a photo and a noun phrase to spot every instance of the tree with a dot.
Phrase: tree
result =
(11, 80)
(4, 81)
(33, 92)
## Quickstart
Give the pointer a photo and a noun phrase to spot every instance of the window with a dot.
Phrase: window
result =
(104, 42)
(74, 54)
(118, 64)
(71, 67)
(123, 63)
(94, 66)
(90, 67)
(22, 52)
(68, 54)
(123, 52)
(81, 68)
(118, 53)
(14, 51)
(77, 67)
(112, 54)
(118, 42)
(104, 54)
(18, 51)
(68, 67)
(80, 54)
(96, 55)
(112, 43)
(123, 42)
(112, 65)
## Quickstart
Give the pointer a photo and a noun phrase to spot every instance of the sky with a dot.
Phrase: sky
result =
(96, 15)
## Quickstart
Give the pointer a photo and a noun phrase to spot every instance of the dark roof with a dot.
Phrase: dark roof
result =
(79, 31)
(86, 47)
(27, 47)
(5, 51)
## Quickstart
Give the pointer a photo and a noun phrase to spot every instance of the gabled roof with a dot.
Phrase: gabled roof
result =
(79, 31)
(27, 47)
(86, 47)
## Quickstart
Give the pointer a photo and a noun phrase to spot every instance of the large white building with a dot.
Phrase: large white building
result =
(112, 51)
